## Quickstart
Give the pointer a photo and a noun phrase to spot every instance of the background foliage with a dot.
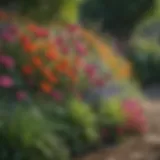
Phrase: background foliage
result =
(116, 17)
(145, 48)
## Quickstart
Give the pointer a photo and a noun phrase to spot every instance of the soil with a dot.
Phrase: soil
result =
(146, 147)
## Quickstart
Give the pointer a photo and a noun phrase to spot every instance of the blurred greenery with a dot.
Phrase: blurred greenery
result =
(116, 17)
(144, 51)
(26, 135)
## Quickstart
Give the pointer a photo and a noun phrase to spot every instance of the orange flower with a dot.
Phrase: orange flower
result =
(27, 70)
(52, 55)
(126, 70)
(63, 66)
(30, 48)
(123, 73)
(113, 62)
(71, 74)
(37, 61)
(50, 76)
(24, 39)
(60, 68)
(45, 87)
(27, 44)
(65, 62)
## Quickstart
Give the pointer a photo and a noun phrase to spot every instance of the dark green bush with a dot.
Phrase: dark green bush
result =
(146, 66)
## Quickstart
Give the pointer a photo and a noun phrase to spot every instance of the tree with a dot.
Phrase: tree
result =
(117, 17)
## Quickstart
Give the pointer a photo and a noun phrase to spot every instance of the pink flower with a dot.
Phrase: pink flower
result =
(7, 37)
(135, 119)
(133, 106)
(57, 95)
(21, 95)
(6, 81)
(90, 70)
(59, 41)
(81, 49)
(7, 61)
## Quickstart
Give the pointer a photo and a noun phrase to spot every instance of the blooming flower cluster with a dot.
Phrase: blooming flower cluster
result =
(135, 117)
(60, 61)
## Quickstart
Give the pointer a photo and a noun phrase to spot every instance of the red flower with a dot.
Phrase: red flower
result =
(25, 39)
(27, 70)
(41, 32)
(38, 31)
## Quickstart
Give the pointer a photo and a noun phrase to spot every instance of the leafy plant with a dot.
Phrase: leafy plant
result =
(111, 112)
(27, 136)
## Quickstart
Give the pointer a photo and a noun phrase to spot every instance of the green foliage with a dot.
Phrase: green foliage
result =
(83, 115)
(27, 134)
(111, 112)
(117, 17)
(145, 65)
(144, 50)
(44, 10)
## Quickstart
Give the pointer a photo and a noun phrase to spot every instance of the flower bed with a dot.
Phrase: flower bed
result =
(63, 92)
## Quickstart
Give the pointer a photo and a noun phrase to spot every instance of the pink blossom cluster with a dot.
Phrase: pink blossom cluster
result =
(134, 115)
(7, 61)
